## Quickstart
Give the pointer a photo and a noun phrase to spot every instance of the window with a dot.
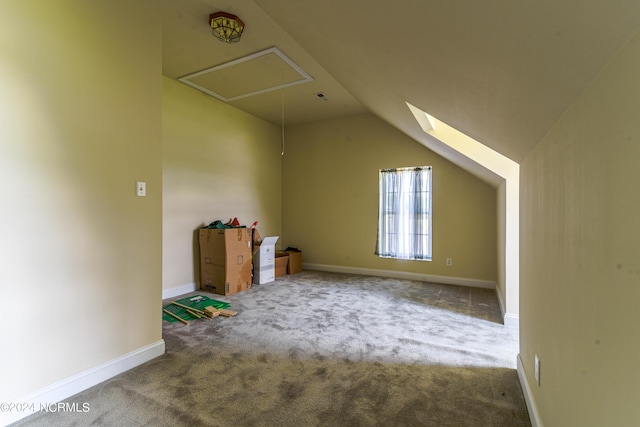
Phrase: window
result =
(404, 216)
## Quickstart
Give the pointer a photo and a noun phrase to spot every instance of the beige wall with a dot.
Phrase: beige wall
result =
(580, 255)
(330, 200)
(218, 163)
(80, 123)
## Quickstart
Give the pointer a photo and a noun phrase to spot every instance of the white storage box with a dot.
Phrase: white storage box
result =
(264, 261)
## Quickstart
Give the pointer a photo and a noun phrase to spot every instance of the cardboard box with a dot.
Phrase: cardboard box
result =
(225, 260)
(295, 261)
(264, 266)
(282, 261)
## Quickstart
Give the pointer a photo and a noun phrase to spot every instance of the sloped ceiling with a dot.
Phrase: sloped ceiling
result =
(500, 71)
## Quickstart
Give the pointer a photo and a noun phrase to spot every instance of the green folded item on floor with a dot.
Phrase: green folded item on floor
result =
(196, 301)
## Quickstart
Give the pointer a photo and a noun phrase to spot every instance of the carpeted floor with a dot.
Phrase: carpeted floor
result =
(324, 349)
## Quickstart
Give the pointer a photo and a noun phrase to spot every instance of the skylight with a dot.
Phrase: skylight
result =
(425, 121)
(476, 151)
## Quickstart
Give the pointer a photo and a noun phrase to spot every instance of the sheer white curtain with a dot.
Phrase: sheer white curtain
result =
(404, 217)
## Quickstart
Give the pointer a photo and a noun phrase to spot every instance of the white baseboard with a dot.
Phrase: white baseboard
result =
(81, 381)
(444, 280)
(178, 290)
(534, 416)
(500, 301)
(510, 320)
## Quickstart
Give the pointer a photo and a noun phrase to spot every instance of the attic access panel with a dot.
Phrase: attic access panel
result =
(247, 76)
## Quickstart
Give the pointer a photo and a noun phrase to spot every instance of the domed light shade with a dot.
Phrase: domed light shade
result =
(226, 27)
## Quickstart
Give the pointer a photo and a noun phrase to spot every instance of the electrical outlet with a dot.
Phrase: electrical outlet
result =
(536, 369)
(449, 262)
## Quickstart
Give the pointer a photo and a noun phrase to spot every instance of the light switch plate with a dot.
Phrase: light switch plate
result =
(141, 188)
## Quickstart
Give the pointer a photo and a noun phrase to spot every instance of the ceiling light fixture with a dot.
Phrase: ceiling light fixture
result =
(226, 27)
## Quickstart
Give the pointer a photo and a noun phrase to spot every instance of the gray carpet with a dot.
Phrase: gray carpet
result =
(324, 349)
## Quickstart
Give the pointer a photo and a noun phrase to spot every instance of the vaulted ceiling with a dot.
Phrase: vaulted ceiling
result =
(500, 71)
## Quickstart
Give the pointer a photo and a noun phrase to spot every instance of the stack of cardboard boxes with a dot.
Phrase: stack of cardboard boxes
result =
(233, 259)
